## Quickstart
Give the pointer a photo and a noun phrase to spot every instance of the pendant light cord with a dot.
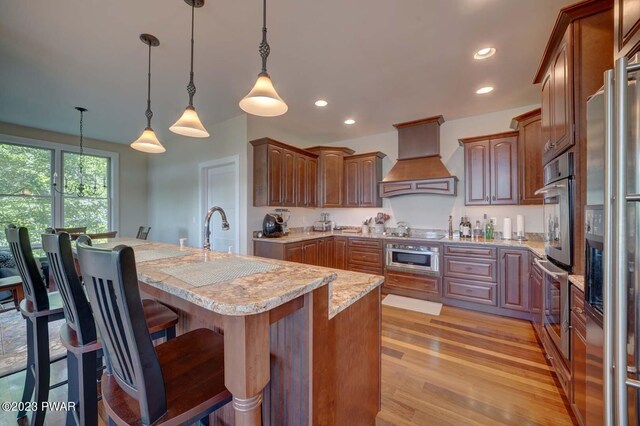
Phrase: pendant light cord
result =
(148, 112)
(191, 87)
(264, 48)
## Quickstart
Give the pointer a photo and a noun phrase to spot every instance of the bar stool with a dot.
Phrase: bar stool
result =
(79, 335)
(39, 307)
(143, 232)
(179, 382)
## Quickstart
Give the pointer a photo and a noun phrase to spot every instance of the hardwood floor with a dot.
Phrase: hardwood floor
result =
(465, 368)
(459, 368)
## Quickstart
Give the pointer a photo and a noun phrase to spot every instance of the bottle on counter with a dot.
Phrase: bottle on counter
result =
(488, 231)
(450, 226)
(466, 228)
(461, 227)
(477, 230)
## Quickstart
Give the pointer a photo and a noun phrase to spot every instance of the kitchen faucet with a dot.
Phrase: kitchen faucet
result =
(207, 222)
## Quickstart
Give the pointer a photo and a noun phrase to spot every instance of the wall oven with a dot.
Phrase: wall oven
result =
(413, 258)
(558, 210)
(556, 305)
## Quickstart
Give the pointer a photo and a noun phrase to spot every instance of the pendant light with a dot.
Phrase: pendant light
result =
(189, 124)
(148, 142)
(263, 100)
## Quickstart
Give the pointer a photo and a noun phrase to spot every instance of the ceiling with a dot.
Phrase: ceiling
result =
(377, 61)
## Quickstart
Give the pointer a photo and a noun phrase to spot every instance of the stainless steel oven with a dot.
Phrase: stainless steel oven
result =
(556, 305)
(558, 210)
(413, 258)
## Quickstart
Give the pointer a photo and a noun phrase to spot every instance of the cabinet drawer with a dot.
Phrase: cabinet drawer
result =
(472, 269)
(367, 269)
(372, 257)
(469, 291)
(470, 251)
(415, 282)
(579, 324)
(362, 242)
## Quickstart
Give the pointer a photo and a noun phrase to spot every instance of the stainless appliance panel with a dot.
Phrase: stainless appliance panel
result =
(558, 221)
(595, 149)
(413, 258)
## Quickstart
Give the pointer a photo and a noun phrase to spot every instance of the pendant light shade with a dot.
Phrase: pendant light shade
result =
(189, 123)
(148, 141)
(263, 100)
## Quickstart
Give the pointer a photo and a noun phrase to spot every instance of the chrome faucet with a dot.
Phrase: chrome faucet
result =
(207, 222)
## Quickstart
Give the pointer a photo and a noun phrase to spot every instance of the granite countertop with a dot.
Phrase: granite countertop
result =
(577, 280)
(246, 295)
(536, 247)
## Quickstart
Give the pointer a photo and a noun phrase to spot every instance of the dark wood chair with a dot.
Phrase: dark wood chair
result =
(79, 335)
(96, 236)
(180, 382)
(38, 307)
(143, 232)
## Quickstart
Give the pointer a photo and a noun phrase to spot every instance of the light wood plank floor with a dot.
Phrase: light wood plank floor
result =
(465, 368)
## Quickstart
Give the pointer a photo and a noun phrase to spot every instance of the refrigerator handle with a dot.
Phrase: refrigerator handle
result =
(620, 256)
(608, 324)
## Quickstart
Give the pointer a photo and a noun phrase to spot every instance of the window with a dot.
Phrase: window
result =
(25, 188)
(28, 169)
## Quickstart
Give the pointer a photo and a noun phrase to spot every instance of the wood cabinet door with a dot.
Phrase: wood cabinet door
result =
(504, 171)
(329, 253)
(312, 182)
(322, 253)
(626, 26)
(546, 111)
(352, 183)
(561, 136)
(301, 181)
(332, 179)
(514, 279)
(310, 252)
(275, 161)
(535, 294)
(340, 252)
(293, 253)
(288, 178)
(530, 164)
(477, 174)
(368, 183)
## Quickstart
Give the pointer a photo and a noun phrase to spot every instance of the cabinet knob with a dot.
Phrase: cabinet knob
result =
(494, 198)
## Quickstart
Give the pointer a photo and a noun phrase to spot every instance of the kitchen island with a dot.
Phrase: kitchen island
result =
(302, 343)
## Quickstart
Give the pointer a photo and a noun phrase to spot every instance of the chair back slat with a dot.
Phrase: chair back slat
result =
(34, 289)
(77, 230)
(111, 282)
(143, 232)
(77, 310)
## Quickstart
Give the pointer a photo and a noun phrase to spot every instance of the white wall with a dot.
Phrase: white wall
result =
(174, 194)
(420, 211)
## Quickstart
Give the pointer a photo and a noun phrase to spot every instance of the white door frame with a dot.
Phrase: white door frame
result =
(202, 169)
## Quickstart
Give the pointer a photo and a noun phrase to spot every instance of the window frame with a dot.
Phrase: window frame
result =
(57, 167)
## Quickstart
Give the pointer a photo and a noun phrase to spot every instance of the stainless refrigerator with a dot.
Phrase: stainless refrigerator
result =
(621, 254)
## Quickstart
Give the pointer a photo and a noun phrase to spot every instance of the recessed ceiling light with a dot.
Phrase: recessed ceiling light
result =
(484, 90)
(321, 103)
(485, 53)
(350, 121)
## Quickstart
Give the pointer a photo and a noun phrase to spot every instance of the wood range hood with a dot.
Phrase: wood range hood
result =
(419, 169)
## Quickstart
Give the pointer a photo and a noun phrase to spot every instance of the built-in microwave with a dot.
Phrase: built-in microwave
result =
(413, 258)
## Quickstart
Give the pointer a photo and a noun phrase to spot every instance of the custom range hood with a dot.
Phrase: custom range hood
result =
(419, 169)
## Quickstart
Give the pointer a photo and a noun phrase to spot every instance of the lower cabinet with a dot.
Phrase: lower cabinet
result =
(310, 252)
(325, 252)
(412, 284)
(293, 253)
(514, 279)
(365, 255)
(471, 291)
(340, 252)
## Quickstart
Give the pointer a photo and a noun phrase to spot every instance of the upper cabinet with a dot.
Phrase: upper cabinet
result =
(321, 176)
(491, 169)
(579, 50)
(361, 176)
(530, 143)
(330, 174)
(626, 27)
(283, 175)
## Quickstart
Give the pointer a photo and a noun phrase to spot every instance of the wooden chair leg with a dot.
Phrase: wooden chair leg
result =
(82, 389)
(29, 380)
(170, 333)
(42, 368)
